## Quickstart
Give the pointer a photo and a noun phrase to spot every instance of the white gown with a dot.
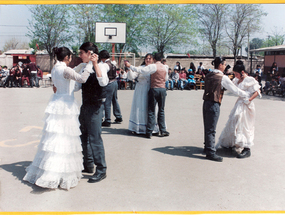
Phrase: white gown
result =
(139, 111)
(239, 129)
(58, 161)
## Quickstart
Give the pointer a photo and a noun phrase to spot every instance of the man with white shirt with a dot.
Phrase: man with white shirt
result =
(157, 93)
(110, 90)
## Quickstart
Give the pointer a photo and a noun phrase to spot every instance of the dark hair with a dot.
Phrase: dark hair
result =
(158, 56)
(239, 67)
(149, 54)
(218, 61)
(104, 54)
(88, 46)
(61, 53)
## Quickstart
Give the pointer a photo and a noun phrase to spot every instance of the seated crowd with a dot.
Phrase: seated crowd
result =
(181, 79)
(24, 74)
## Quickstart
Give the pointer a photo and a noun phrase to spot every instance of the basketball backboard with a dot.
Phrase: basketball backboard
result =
(107, 32)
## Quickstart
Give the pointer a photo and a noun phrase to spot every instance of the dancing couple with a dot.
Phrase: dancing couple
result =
(150, 91)
(58, 161)
(238, 133)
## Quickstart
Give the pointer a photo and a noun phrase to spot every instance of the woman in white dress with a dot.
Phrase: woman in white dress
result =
(58, 161)
(238, 133)
(139, 111)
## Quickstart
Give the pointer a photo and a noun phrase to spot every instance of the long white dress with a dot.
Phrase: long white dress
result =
(58, 161)
(239, 129)
(139, 110)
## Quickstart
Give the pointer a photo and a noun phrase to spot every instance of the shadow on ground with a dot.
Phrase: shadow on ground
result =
(186, 151)
(18, 170)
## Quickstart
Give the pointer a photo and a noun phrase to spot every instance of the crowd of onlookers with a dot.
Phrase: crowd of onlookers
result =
(23, 74)
(274, 81)
(28, 74)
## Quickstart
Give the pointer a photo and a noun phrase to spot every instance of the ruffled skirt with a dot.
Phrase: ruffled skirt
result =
(58, 161)
(239, 129)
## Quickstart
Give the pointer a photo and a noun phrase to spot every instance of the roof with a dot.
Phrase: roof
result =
(272, 48)
(19, 51)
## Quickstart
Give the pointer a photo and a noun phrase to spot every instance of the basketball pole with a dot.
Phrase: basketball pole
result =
(113, 51)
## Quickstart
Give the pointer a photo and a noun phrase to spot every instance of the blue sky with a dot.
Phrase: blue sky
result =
(14, 19)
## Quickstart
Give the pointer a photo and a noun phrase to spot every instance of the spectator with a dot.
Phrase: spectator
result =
(18, 77)
(39, 76)
(178, 66)
(4, 73)
(258, 79)
(192, 67)
(201, 66)
(258, 69)
(191, 82)
(169, 80)
(33, 70)
(175, 78)
(11, 78)
(25, 75)
(122, 79)
(132, 83)
(182, 79)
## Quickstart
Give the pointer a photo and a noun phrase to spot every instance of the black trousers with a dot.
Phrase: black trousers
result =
(156, 96)
(211, 113)
(90, 125)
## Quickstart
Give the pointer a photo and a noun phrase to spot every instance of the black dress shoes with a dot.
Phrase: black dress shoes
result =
(164, 133)
(148, 135)
(106, 124)
(214, 157)
(97, 177)
(245, 153)
(118, 120)
(88, 170)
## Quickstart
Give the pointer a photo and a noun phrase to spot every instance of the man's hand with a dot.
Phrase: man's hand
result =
(94, 58)
(54, 89)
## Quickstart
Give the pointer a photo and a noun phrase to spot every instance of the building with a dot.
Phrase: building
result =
(273, 54)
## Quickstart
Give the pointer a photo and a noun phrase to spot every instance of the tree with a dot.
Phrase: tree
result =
(255, 43)
(169, 26)
(134, 17)
(277, 37)
(50, 26)
(14, 43)
(211, 18)
(85, 17)
(243, 19)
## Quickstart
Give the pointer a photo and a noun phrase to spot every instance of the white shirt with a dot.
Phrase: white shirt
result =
(150, 69)
(229, 85)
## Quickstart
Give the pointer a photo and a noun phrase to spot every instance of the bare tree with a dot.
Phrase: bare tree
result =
(243, 19)
(14, 43)
(211, 18)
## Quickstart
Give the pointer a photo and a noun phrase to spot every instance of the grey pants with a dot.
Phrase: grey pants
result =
(211, 113)
(90, 125)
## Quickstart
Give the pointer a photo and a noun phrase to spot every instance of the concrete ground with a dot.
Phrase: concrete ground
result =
(158, 174)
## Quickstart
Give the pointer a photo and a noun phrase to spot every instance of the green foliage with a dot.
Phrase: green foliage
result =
(134, 17)
(85, 17)
(50, 26)
(169, 27)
